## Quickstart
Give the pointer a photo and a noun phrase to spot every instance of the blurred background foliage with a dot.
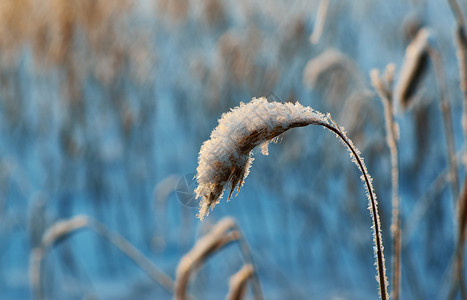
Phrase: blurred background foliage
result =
(104, 105)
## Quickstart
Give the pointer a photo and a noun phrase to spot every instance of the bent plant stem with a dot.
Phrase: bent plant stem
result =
(374, 208)
(225, 158)
(461, 41)
(377, 237)
(461, 53)
(458, 265)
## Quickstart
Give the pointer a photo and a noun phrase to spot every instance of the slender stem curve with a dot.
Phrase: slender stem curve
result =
(374, 208)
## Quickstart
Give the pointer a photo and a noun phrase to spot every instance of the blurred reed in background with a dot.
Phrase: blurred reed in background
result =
(104, 106)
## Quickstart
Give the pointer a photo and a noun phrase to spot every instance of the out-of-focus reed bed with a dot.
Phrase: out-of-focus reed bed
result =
(52, 30)
(413, 69)
(92, 122)
(76, 40)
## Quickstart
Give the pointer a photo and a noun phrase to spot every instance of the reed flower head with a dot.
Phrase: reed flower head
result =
(225, 159)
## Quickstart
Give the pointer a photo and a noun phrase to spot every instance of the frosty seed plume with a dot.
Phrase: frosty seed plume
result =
(225, 159)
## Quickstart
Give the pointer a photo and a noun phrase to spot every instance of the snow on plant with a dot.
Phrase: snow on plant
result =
(225, 159)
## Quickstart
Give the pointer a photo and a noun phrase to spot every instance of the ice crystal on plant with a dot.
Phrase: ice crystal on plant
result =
(225, 159)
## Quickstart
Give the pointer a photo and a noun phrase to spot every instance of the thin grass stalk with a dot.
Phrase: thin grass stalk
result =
(458, 265)
(447, 121)
(385, 94)
(382, 279)
(225, 159)
(461, 43)
(62, 230)
(238, 282)
(425, 201)
(134, 254)
(248, 257)
(461, 53)
(457, 12)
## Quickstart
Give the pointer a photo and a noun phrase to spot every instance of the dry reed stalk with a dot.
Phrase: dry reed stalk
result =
(461, 42)
(248, 258)
(238, 283)
(447, 121)
(425, 201)
(319, 22)
(421, 207)
(417, 55)
(458, 274)
(384, 91)
(134, 254)
(413, 68)
(63, 229)
(225, 159)
(55, 234)
(223, 233)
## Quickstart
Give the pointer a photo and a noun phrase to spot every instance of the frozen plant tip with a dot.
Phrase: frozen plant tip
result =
(225, 159)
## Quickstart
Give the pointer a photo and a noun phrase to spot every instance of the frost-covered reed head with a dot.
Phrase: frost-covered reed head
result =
(225, 159)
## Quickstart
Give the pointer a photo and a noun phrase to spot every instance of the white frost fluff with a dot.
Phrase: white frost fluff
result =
(225, 159)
